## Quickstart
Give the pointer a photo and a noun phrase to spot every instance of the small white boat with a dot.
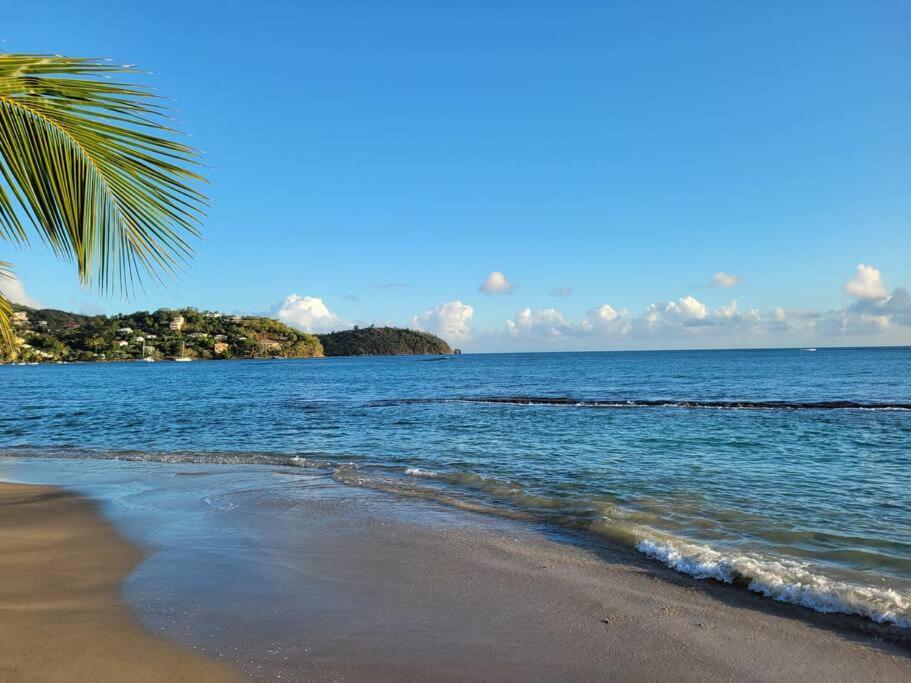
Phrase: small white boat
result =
(148, 359)
(183, 357)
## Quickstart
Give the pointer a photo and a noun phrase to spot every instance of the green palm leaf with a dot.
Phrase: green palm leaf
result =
(7, 336)
(92, 163)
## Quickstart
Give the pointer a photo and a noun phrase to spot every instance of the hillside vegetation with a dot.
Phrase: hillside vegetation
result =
(49, 335)
(382, 341)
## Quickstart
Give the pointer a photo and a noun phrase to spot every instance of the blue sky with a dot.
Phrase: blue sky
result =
(627, 151)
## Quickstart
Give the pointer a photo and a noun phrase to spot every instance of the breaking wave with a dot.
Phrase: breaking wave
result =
(782, 580)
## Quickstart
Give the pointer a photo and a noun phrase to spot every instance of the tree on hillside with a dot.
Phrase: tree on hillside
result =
(91, 164)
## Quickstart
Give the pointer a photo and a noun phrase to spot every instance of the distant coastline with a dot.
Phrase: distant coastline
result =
(53, 336)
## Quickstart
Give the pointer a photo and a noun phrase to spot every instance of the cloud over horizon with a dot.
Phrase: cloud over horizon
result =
(451, 321)
(308, 314)
(688, 322)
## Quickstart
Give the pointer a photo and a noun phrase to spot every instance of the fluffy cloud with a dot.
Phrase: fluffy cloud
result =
(867, 283)
(605, 320)
(687, 310)
(875, 316)
(13, 289)
(884, 312)
(726, 280)
(687, 322)
(545, 323)
(496, 283)
(729, 311)
(550, 325)
(604, 313)
(308, 313)
(561, 292)
(451, 321)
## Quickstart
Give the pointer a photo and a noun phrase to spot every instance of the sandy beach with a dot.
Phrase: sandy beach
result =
(332, 582)
(63, 617)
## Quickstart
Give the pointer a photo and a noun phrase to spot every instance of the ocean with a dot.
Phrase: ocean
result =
(787, 472)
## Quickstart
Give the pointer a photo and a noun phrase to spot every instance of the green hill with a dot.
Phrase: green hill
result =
(382, 341)
(49, 335)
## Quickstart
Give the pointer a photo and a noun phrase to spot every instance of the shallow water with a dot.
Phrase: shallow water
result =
(787, 470)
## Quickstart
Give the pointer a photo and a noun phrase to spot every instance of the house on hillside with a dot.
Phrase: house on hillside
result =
(220, 347)
(20, 318)
(177, 323)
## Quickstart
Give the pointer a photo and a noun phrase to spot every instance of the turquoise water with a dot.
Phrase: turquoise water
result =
(787, 471)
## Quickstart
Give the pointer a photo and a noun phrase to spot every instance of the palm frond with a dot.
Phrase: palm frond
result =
(7, 336)
(94, 165)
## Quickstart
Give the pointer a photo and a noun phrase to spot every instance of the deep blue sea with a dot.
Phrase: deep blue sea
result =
(788, 471)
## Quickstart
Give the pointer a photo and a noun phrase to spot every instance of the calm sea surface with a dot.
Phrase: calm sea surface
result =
(787, 470)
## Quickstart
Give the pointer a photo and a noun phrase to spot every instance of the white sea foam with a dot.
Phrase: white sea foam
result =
(783, 580)
(417, 472)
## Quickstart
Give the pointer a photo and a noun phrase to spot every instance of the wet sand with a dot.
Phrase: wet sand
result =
(386, 589)
(294, 577)
(62, 615)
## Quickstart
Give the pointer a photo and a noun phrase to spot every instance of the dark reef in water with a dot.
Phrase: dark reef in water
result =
(658, 403)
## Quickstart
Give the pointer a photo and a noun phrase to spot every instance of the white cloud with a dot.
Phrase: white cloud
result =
(545, 323)
(688, 323)
(13, 289)
(894, 308)
(309, 314)
(604, 313)
(685, 310)
(874, 317)
(726, 280)
(690, 308)
(550, 325)
(451, 321)
(605, 319)
(867, 283)
(562, 292)
(729, 311)
(496, 283)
